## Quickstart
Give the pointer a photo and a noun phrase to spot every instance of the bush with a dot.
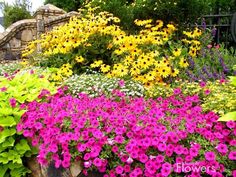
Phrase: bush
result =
(94, 41)
(14, 91)
(18, 11)
(180, 12)
(96, 85)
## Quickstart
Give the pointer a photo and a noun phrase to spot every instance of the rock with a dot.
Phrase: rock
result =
(27, 35)
(92, 174)
(15, 43)
(34, 167)
(75, 169)
(51, 171)
(46, 171)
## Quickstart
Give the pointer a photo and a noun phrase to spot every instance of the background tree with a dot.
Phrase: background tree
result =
(18, 11)
(67, 5)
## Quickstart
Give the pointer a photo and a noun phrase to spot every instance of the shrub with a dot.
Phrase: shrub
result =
(134, 136)
(18, 11)
(96, 84)
(14, 91)
(151, 56)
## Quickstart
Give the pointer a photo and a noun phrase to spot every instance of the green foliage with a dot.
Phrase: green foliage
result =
(181, 12)
(229, 116)
(23, 88)
(96, 84)
(67, 5)
(121, 9)
(18, 11)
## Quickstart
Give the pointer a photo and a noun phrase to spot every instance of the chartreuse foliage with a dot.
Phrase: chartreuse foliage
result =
(231, 115)
(24, 87)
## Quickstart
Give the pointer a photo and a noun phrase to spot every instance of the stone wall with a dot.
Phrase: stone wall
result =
(15, 38)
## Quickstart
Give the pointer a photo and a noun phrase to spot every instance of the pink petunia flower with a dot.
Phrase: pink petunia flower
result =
(119, 170)
(12, 102)
(232, 155)
(222, 148)
(210, 156)
(230, 124)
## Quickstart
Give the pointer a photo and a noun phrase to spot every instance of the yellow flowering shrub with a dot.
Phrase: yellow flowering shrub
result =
(96, 41)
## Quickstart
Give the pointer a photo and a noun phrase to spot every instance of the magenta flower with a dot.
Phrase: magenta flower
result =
(234, 173)
(210, 156)
(121, 83)
(119, 170)
(222, 148)
(162, 147)
(3, 89)
(193, 152)
(12, 102)
(202, 84)
(232, 155)
(177, 91)
(230, 124)
(147, 137)
(97, 162)
(207, 92)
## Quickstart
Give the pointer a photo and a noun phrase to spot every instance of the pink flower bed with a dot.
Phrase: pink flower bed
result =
(133, 137)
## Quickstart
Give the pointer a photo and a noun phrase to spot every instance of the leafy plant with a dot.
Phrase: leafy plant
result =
(231, 115)
(14, 91)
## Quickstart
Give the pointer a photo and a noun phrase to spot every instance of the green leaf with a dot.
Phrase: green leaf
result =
(6, 133)
(7, 121)
(229, 116)
(233, 80)
(4, 160)
(22, 146)
(19, 172)
(3, 169)
(9, 142)
(6, 111)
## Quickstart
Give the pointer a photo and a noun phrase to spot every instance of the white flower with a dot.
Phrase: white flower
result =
(129, 160)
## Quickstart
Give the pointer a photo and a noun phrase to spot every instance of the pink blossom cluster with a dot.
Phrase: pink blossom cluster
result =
(135, 137)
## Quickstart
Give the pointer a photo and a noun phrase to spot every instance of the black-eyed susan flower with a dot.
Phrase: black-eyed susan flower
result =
(183, 63)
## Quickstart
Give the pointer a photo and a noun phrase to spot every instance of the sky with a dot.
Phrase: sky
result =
(35, 4)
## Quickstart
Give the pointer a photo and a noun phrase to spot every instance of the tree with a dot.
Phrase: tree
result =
(18, 11)
(67, 5)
